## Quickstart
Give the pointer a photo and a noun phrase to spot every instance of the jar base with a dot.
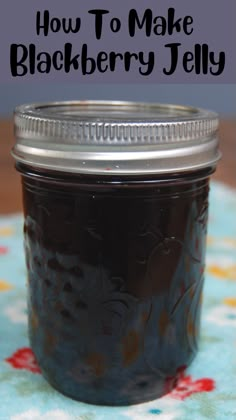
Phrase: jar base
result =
(160, 390)
(103, 402)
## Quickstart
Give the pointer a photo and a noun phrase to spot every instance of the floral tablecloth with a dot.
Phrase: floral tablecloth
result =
(206, 391)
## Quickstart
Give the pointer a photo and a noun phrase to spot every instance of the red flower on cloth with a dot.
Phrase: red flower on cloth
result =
(172, 381)
(24, 359)
(185, 386)
(3, 250)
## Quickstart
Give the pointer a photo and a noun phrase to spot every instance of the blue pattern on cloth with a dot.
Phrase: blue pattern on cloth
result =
(25, 395)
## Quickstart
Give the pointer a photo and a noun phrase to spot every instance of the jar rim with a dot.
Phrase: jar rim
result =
(115, 136)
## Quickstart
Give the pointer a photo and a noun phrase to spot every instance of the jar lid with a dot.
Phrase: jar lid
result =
(110, 137)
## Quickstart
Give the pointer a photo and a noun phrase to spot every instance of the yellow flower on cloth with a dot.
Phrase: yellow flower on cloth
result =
(222, 243)
(227, 273)
(6, 231)
(230, 301)
(222, 267)
(230, 242)
(5, 286)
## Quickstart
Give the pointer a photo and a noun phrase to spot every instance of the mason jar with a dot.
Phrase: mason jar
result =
(115, 201)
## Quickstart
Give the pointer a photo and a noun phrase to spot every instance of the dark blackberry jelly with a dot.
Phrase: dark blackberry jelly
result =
(115, 276)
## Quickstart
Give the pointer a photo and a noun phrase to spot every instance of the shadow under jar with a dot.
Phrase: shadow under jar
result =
(115, 203)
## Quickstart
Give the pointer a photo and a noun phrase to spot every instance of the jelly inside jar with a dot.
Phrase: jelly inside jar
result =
(115, 277)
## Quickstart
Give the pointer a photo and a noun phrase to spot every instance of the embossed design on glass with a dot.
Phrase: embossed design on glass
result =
(114, 294)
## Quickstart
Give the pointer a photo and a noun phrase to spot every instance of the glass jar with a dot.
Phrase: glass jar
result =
(115, 204)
